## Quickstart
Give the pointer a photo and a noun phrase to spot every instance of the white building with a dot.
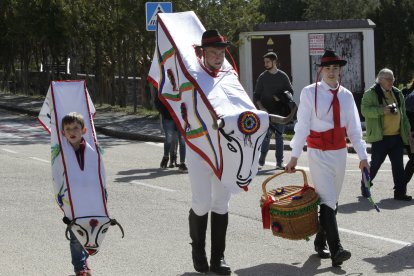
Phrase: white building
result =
(300, 45)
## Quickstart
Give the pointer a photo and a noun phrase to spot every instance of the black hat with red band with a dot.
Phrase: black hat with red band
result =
(212, 38)
(330, 58)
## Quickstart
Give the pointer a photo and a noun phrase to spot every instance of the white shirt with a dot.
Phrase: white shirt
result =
(322, 119)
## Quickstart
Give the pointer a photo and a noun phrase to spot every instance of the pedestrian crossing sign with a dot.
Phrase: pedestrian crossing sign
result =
(151, 11)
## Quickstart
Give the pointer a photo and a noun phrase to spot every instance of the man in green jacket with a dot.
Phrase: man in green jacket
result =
(387, 129)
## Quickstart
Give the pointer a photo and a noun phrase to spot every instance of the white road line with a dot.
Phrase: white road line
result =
(151, 186)
(9, 151)
(273, 164)
(374, 237)
(360, 170)
(155, 144)
(307, 168)
(38, 159)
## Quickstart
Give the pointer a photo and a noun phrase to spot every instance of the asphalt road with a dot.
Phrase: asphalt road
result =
(152, 205)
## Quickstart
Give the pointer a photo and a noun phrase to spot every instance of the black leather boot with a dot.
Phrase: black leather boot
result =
(198, 227)
(218, 244)
(338, 254)
(320, 244)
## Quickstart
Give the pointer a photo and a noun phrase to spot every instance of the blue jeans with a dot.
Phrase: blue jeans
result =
(171, 134)
(79, 255)
(392, 146)
(278, 130)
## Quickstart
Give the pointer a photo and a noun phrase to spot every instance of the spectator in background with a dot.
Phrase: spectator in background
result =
(268, 96)
(409, 104)
(410, 88)
(170, 130)
(387, 128)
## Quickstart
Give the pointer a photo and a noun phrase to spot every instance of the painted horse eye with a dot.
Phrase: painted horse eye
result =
(231, 147)
(80, 232)
(104, 231)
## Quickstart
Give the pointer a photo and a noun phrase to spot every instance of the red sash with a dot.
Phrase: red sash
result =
(332, 139)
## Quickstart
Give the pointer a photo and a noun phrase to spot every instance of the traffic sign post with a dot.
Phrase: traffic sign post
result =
(151, 11)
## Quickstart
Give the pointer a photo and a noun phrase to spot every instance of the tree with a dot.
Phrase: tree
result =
(282, 10)
(394, 37)
(331, 10)
(230, 17)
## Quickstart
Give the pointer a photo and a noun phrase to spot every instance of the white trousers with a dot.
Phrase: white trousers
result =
(327, 169)
(208, 194)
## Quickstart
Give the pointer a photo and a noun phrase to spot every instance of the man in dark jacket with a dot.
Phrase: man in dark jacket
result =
(269, 96)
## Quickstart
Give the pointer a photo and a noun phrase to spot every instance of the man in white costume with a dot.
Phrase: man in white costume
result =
(222, 128)
(207, 191)
(326, 114)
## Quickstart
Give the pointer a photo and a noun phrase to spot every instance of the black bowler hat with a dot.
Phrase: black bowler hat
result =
(212, 38)
(330, 57)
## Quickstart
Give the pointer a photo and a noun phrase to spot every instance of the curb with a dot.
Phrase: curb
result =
(129, 135)
(100, 129)
(33, 113)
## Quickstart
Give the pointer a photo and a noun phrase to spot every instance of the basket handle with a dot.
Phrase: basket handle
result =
(305, 183)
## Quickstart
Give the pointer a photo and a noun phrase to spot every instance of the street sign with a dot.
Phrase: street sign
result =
(151, 11)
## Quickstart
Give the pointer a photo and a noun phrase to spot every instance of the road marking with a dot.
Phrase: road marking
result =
(9, 151)
(151, 186)
(38, 159)
(155, 144)
(360, 170)
(307, 168)
(374, 236)
(297, 167)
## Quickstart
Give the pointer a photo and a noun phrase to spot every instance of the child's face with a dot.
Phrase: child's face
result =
(73, 132)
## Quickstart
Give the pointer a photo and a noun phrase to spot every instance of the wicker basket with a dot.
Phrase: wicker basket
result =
(291, 211)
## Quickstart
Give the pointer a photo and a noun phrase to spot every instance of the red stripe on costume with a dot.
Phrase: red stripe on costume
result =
(61, 152)
(153, 82)
(96, 148)
(43, 125)
(217, 171)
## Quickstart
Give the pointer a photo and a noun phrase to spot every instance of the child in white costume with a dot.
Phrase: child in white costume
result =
(73, 128)
(77, 168)
(326, 114)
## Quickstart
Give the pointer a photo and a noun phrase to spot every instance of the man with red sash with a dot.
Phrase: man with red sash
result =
(326, 114)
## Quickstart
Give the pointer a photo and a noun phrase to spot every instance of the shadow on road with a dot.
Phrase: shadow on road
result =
(394, 262)
(267, 172)
(141, 174)
(363, 204)
(310, 267)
